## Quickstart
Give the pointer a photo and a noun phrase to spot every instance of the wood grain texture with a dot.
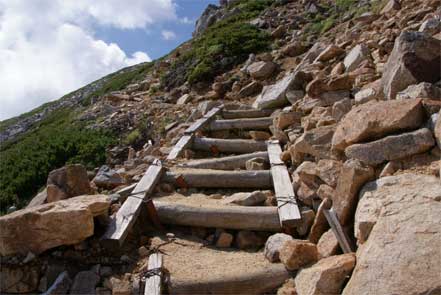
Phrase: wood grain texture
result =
(247, 123)
(182, 144)
(224, 163)
(289, 213)
(126, 216)
(153, 284)
(235, 146)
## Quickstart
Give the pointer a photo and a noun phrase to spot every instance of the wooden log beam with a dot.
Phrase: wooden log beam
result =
(126, 216)
(202, 122)
(224, 163)
(248, 124)
(207, 178)
(254, 281)
(182, 144)
(289, 213)
(337, 229)
(251, 113)
(153, 283)
(236, 146)
(228, 217)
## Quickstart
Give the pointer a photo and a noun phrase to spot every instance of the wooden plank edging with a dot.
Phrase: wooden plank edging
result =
(126, 216)
(289, 213)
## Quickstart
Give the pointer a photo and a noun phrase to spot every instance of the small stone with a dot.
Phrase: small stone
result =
(325, 277)
(248, 240)
(224, 240)
(143, 251)
(246, 199)
(285, 119)
(85, 283)
(273, 245)
(261, 70)
(288, 288)
(328, 244)
(329, 53)
(308, 217)
(296, 254)
(355, 57)
(260, 135)
(256, 164)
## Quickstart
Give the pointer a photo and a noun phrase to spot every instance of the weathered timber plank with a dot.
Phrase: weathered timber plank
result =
(228, 217)
(224, 163)
(236, 146)
(126, 216)
(183, 143)
(248, 123)
(338, 231)
(251, 113)
(263, 280)
(289, 213)
(202, 122)
(153, 284)
(207, 178)
(274, 152)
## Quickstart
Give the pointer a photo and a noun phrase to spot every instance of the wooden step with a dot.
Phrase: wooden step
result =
(184, 142)
(208, 178)
(197, 269)
(224, 163)
(251, 113)
(228, 217)
(234, 146)
(202, 122)
(246, 124)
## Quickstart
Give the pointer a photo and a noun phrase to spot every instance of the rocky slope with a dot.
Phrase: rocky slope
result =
(351, 91)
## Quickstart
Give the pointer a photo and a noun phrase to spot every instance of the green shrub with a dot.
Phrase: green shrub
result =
(132, 137)
(223, 45)
(26, 162)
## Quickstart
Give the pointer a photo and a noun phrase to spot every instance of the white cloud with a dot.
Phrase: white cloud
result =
(48, 47)
(185, 20)
(168, 35)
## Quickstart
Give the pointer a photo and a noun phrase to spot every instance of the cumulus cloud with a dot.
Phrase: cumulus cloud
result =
(48, 47)
(168, 35)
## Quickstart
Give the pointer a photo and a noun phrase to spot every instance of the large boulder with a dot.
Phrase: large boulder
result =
(67, 182)
(19, 279)
(39, 228)
(353, 176)
(398, 224)
(415, 58)
(374, 120)
(326, 277)
(108, 178)
(295, 254)
(423, 90)
(273, 245)
(274, 95)
(355, 57)
(261, 70)
(392, 147)
(315, 142)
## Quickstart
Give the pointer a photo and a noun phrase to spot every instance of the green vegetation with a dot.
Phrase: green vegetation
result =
(321, 23)
(223, 45)
(57, 140)
(132, 137)
(119, 80)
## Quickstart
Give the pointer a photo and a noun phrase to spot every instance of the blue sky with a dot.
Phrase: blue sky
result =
(51, 47)
(150, 40)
